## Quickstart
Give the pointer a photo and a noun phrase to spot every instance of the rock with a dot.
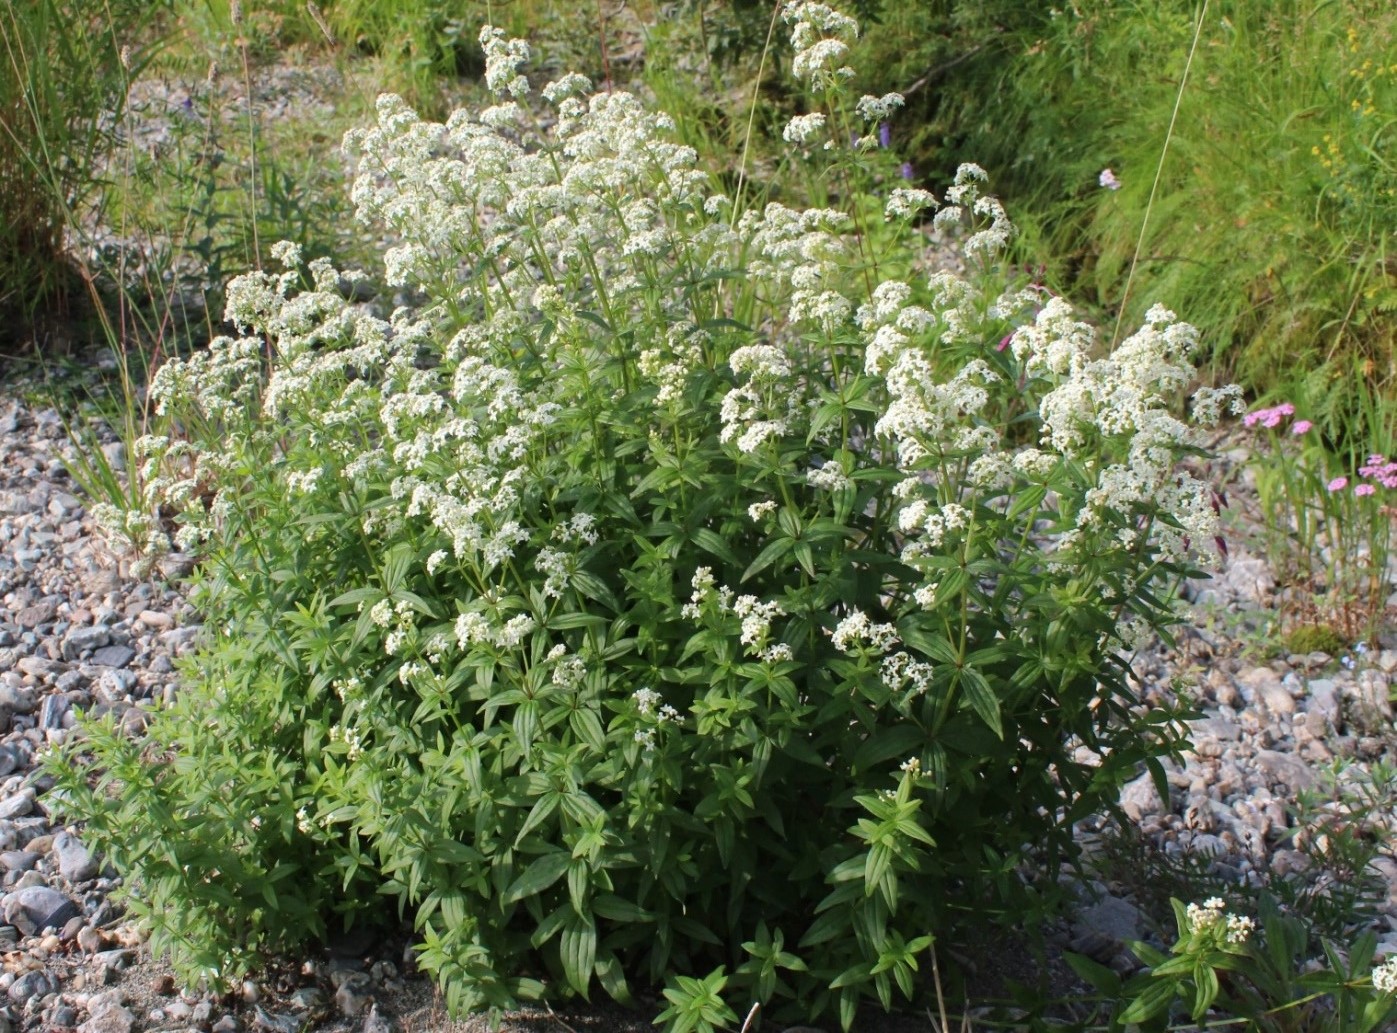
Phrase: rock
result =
(1111, 917)
(1370, 705)
(350, 1001)
(113, 656)
(308, 998)
(81, 640)
(1285, 767)
(111, 1018)
(35, 908)
(273, 1023)
(375, 1022)
(227, 1024)
(32, 616)
(75, 861)
(1140, 798)
(19, 860)
(18, 805)
(32, 984)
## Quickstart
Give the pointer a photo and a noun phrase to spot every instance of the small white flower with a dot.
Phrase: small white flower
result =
(803, 127)
(757, 510)
(1385, 977)
(879, 109)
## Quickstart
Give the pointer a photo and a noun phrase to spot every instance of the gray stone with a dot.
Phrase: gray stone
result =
(18, 860)
(1112, 917)
(32, 616)
(32, 984)
(227, 1024)
(18, 805)
(113, 656)
(376, 1022)
(82, 639)
(112, 1018)
(1285, 767)
(75, 861)
(35, 908)
(274, 1023)
(1140, 798)
(52, 711)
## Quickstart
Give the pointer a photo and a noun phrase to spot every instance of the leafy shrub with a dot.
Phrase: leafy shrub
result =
(676, 589)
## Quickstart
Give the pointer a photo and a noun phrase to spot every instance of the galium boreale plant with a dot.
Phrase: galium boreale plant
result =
(666, 598)
(1227, 970)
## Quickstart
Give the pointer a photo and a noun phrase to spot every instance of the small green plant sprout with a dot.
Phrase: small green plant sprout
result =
(1226, 970)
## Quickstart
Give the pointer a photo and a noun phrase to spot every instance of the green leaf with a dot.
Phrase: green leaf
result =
(1153, 999)
(982, 699)
(709, 541)
(618, 909)
(578, 952)
(773, 551)
(613, 978)
(536, 878)
(1105, 980)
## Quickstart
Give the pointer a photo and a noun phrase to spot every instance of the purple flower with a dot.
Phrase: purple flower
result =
(885, 134)
(1108, 180)
(906, 170)
(1364, 489)
(1301, 427)
(1338, 484)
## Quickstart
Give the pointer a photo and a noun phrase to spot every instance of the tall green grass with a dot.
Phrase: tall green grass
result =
(1275, 220)
(64, 70)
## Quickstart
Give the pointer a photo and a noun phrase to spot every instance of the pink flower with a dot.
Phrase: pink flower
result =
(1301, 427)
(1108, 180)
(1363, 489)
(1338, 484)
(1271, 417)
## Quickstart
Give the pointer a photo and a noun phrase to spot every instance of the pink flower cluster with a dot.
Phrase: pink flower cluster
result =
(1272, 417)
(1380, 469)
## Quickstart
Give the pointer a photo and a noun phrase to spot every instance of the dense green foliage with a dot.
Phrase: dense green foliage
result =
(677, 589)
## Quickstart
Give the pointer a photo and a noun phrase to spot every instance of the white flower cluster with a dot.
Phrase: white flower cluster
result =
(503, 58)
(1385, 977)
(473, 627)
(821, 37)
(856, 633)
(901, 672)
(350, 737)
(648, 704)
(803, 128)
(757, 411)
(879, 109)
(756, 616)
(1213, 914)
